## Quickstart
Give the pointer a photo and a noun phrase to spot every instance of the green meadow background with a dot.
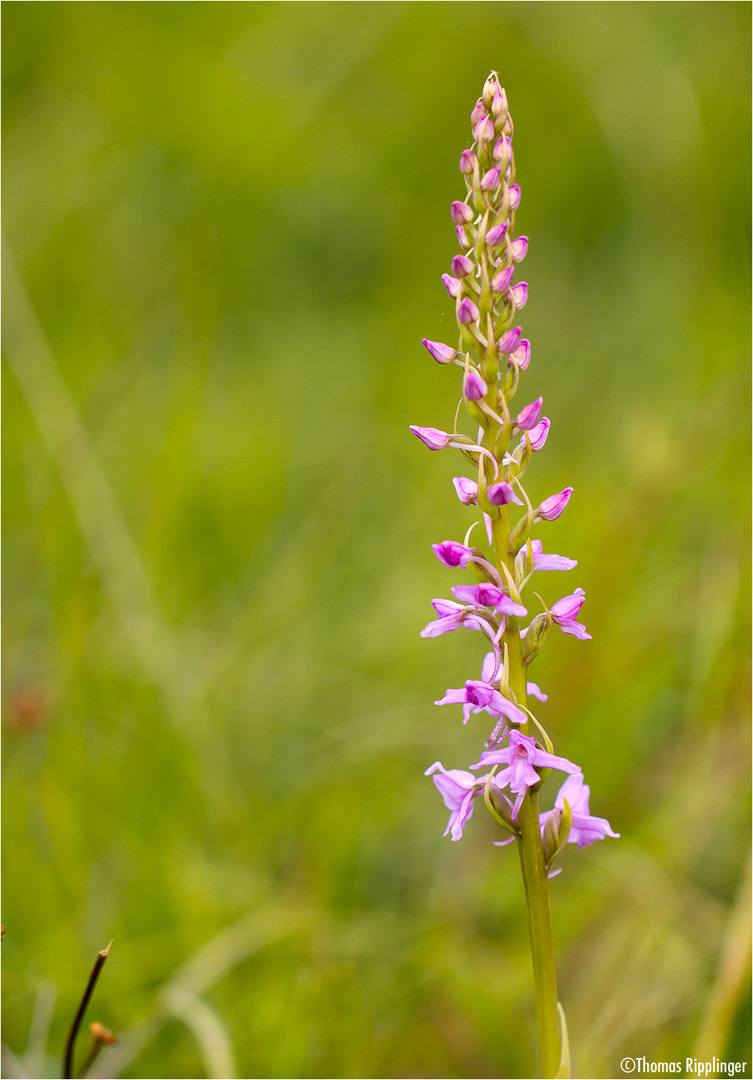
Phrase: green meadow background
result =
(225, 226)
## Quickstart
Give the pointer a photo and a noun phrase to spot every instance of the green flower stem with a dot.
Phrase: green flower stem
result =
(532, 852)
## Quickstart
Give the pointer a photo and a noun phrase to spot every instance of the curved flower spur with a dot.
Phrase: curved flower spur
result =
(492, 353)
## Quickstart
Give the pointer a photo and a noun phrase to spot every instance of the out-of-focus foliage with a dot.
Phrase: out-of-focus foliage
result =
(226, 224)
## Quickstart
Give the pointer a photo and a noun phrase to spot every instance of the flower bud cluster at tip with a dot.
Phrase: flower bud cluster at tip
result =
(493, 353)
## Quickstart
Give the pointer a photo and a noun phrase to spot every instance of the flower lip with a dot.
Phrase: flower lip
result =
(458, 790)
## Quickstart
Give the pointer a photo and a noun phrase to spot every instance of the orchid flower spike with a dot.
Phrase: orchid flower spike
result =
(493, 355)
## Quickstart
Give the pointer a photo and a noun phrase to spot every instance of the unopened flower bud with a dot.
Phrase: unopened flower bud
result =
(522, 355)
(496, 234)
(499, 103)
(552, 507)
(443, 354)
(467, 312)
(467, 490)
(479, 110)
(484, 130)
(461, 213)
(510, 340)
(462, 266)
(491, 180)
(453, 286)
(555, 830)
(501, 281)
(502, 494)
(538, 435)
(519, 247)
(529, 417)
(519, 294)
(467, 162)
(502, 806)
(536, 636)
(474, 387)
(514, 190)
(462, 236)
(431, 436)
(502, 152)
(491, 88)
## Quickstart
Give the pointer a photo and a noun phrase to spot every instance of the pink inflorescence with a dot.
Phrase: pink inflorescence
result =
(492, 352)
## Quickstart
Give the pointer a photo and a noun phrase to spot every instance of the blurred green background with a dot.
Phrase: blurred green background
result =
(225, 226)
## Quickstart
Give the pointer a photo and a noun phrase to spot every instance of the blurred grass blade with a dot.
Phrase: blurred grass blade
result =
(732, 978)
(100, 519)
(563, 1073)
(208, 1030)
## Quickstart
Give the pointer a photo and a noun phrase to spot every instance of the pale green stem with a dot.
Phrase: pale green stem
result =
(532, 853)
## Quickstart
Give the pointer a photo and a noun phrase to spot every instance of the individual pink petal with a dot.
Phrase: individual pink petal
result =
(533, 690)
